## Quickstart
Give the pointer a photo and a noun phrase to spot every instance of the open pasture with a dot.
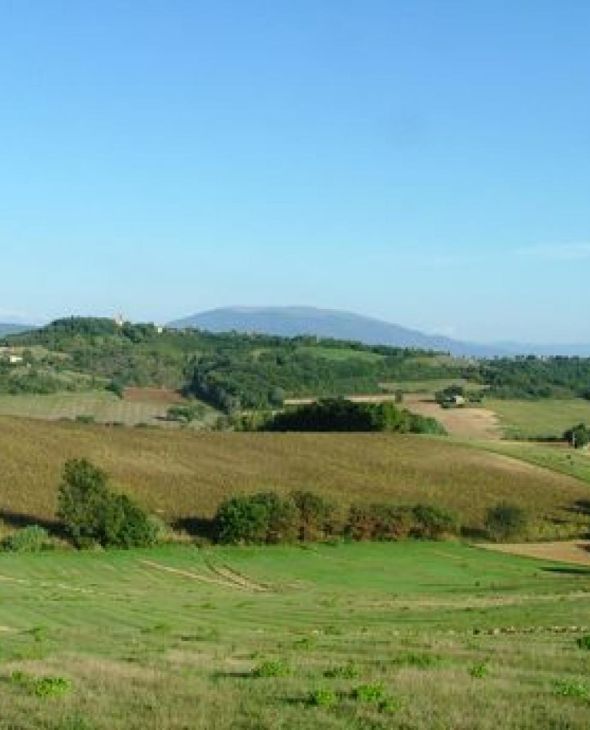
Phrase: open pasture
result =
(412, 635)
(183, 474)
(544, 418)
(138, 406)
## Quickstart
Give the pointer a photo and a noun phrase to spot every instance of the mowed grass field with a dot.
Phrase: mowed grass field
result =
(182, 474)
(406, 635)
(142, 406)
(545, 418)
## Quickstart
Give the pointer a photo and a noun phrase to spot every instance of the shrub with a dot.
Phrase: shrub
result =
(92, 513)
(30, 539)
(432, 523)
(578, 436)
(263, 518)
(316, 518)
(505, 521)
(378, 522)
(126, 524)
(584, 642)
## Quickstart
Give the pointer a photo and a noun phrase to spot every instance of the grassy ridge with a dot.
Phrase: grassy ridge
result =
(169, 638)
(181, 474)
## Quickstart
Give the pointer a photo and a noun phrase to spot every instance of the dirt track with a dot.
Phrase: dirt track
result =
(570, 551)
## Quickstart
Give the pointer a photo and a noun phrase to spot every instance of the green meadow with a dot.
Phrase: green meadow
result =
(544, 418)
(403, 635)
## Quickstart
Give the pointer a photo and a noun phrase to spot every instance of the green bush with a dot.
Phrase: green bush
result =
(505, 521)
(578, 436)
(584, 642)
(92, 513)
(262, 518)
(30, 539)
(432, 523)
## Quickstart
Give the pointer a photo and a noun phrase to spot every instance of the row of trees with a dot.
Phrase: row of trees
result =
(338, 414)
(269, 518)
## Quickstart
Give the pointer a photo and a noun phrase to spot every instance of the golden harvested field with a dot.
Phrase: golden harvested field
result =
(183, 473)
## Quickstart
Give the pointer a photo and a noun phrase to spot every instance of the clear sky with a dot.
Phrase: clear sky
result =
(427, 162)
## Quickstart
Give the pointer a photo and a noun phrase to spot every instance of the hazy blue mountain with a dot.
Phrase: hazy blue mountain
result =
(7, 328)
(291, 321)
(574, 349)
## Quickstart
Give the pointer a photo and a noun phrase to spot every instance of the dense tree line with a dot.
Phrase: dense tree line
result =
(535, 377)
(338, 414)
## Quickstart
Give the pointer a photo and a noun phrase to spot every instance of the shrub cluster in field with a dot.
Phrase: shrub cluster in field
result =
(269, 518)
(94, 514)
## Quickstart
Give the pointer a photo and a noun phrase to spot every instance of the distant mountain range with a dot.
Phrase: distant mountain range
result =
(292, 321)
(7, 328)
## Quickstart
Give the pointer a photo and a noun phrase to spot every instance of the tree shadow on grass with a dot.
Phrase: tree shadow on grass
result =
(565, 570)
(196, 526)
(18, 520)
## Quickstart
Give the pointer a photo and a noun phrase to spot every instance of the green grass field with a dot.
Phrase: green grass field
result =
(429, 387)
(407, 635)
(558, 457)
(103, 406)
(540, 418)
(182, 474)
(339, 354)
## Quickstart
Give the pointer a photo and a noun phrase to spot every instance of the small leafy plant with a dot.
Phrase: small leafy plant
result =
(566, 688)
(276, 668)
(41, 686)
(584, 642)
(479, 671)
(322, 698)
(369, 693)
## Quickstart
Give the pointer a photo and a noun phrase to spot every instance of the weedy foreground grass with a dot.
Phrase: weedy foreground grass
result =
(407, 635)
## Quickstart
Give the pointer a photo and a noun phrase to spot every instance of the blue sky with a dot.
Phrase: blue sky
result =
(424, 162)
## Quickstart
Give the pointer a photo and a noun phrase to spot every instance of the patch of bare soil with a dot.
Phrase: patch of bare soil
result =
(469, 422)
(569, 551)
